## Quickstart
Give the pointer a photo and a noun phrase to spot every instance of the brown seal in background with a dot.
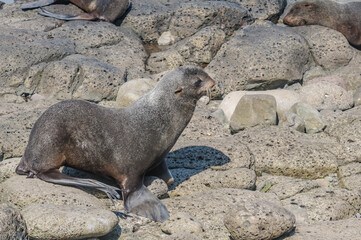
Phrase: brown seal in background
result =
(342, 17)
(105, 10)
(121, 143)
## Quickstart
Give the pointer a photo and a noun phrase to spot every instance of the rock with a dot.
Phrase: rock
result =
(346, 128)
(220, 116)
(22, 192)
(182, 222)
(260, 56)
(47, 221)
(253, 110)
(326, 95)
(287, 152)
(197, 49)
(210, 207)
(12, 223)
(7, 168)
(258, 219)
(130, 91)
(265, 10)
(166, 38)
(240, 178)
(351, 73)
(350, 176)
(311, 117)
(323, 204)
(330, 49)
(357, 97)
(329, 79)
(157, 186)
(331, 230)
(77, 76)
(284, 100)
(182, 236)
(315, 72)
(294, 121)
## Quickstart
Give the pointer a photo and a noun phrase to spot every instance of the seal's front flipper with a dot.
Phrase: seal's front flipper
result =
(142, 202)
(37, 4)
(83, 16)
(54, 176)
(162, 172)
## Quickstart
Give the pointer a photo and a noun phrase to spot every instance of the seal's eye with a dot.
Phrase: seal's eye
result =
(198, 83)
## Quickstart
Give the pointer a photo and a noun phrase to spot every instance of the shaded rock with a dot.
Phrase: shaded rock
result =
(326, 95)
(132, 90)
(258, 219)
(7, 168)
(210, 207)
(182, 236)
(265, 10)
(22, 192)
(331, 230)
(47, 221)
(311, 117)
(241, 178)
(315, 72)
(323, 204)
(197, 49)
(284, 100)
(76, 76)
(287, 152)
(12, 223)
(350, 176)
(182, 222)
(357, 97)
(294, 121)
(253, 110)
(260, 56)
(330, 49)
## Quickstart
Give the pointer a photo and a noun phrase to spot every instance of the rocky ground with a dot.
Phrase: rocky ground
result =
(275, 153)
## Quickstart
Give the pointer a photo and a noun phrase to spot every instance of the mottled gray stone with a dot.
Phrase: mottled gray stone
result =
(258, 219)
(182, 222)
(323, 204)
(132, 90)
(350, 176)
(294, 121)
(330, 49)
(311, 117)
(12, 223)
(260, 56)
(7, 168)
(22, 192)
(47, 221)
(351, 73)
(326, 95)
(253, 110)
(357, 97)
(240, 178)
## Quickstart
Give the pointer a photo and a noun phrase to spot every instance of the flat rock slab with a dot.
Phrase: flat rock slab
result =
(209, 207)
(22, 192)
(334, 230)
(12, 223)
(258, 219)
(324, 204)
(47, 221)
(7, 168)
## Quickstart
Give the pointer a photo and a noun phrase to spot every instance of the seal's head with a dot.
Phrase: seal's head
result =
(306, 12)
(186, 84)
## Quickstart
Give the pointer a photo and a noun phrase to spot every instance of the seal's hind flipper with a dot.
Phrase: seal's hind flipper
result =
(54, 176)
(142, 202)
(83, 16)
(37, 4)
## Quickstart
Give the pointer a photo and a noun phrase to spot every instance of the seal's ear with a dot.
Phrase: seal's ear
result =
(178, 90)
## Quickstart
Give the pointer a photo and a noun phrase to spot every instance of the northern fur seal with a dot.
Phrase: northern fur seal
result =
(123, 144)
(105, 10)
(342, 17)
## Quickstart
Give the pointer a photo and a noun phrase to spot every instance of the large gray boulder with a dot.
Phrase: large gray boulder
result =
(47, 221)
(260, 56)
(258, 219)
(12, 223)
